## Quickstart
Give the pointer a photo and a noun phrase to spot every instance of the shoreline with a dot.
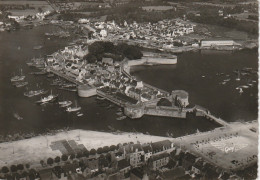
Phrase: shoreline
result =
(38, 148)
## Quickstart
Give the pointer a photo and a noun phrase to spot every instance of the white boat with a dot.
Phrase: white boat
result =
(80, 114)
(73, 109)
(37, 47)
(238, 76)
(18, 78)
(20, 84)
(17, 116)
(49, 98)
(121, 118)
(226, 80)
(65, 103)
(35, 93)
(244, 86)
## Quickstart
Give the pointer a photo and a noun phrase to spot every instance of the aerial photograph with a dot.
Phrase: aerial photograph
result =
(129, 89)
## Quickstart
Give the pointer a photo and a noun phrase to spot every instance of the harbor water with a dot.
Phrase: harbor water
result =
(195, 72)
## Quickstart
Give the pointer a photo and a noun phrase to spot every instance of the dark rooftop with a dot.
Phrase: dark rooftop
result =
(123, 164)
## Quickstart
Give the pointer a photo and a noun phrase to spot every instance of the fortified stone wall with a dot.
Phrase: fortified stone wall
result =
(167, 112)
(134, 112)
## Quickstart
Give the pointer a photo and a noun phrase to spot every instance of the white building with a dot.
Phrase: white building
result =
(208, 43)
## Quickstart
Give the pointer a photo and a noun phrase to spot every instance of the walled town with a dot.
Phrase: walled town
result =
(98, 62)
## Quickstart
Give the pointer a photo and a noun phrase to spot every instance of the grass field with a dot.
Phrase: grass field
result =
(36, 4)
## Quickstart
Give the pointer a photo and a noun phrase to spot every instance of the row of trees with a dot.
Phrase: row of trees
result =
(100, 49)
(14, 168)
(86, 153)
(210, 18)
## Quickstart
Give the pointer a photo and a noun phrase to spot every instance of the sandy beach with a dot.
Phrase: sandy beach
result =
(38, 148)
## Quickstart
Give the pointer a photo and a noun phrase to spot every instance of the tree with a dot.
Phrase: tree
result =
(118, 146)
(50, 161)
(20, 167)
(13, 168)
(112, 148)
(72, 156)
(57, 159)
(86, 153)
(42, 162)
(40, 9)
(5, 169)
(92, 152)
(91, 58)
(108, 157)
(79, 155)
(64, 157)
(27, 166)
(106, 149)
(100, 150)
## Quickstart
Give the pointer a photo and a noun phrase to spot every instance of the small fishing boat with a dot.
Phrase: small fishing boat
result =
(119, 113)
(47, 99)
(18, 78)
(73, 109)
(68, 89)
(238, 76)
(244, 86)
(80, 114)
(37, 47)
(121, 118)
(17, 116)
(20, 84)
(32, 93)
(65, 103)
(100, 98)
(68, 85)
(226, 80)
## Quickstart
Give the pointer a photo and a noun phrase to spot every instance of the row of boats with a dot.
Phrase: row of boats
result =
(247, 72)
(18, 80)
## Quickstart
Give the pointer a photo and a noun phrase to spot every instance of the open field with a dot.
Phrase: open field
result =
(35, 149)
(35, 4)
(157, 8)
(231, 148)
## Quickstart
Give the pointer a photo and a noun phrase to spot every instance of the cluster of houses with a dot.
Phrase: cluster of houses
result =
(161, 34)
(105, 75)
(38, 16)
(155, 160)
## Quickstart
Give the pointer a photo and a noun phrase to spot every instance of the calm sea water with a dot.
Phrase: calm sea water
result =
(223, 100)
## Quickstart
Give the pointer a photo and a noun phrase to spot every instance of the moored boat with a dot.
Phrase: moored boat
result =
(17, 116)
(121, 118)
(20, 84)
(64, 103)
(73, 109)
(47, 99)
(32, 93)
